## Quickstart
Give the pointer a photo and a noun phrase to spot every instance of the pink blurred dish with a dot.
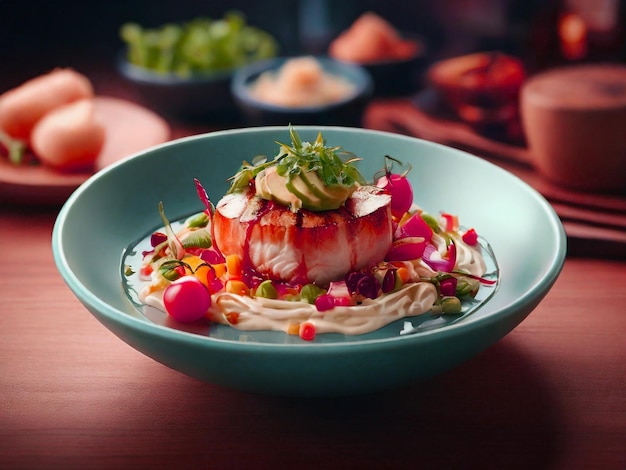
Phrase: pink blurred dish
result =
(129, 128)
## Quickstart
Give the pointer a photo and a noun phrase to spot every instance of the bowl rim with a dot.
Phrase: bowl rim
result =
(144, 326)
(242, 77)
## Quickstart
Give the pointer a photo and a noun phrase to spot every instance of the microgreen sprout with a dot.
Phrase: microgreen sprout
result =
(15, 148)
(303, 157)
(176, 247)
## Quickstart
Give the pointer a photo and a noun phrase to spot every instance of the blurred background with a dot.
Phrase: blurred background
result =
(37, 35)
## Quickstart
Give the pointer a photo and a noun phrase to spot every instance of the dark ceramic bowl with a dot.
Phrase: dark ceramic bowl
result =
(200, 97)
(399, 77)
(345, 112)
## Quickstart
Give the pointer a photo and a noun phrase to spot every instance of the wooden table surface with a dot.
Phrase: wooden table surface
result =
(551, 394)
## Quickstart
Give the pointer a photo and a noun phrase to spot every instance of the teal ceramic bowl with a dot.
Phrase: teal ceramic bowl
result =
(118, 206)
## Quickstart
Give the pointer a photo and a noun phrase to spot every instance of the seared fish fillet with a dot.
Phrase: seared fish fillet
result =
(305, 246)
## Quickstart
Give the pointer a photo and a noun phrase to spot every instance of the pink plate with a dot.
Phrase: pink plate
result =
(129, 128)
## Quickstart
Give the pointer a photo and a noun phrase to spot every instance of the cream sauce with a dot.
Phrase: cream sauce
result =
(278, 315)
(258, 313)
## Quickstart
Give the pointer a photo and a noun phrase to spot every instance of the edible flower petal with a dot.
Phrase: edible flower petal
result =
(405, 249)
(415, 226)
(433, 259)
(450, 222)
(209, 209)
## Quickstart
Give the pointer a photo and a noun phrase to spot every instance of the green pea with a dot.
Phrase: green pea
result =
(310, 292)
(266, 290)
(466, 286)
(397, 282)
(450, 305)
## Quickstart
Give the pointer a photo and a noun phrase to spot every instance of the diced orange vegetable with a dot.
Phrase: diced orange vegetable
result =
(233, 266)
(293, 329)
(235, 286)
(193, 261)
(200, 269)
(403, 274)
(205, 274)
(220, 269)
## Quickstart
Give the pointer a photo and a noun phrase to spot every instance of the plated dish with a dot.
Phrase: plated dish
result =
(129, 128)
(275, 362)
(303, 243)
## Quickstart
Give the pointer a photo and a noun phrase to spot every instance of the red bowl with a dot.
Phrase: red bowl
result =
(482, 88)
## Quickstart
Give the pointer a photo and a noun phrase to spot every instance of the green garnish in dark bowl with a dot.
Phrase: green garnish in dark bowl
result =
(202, 45)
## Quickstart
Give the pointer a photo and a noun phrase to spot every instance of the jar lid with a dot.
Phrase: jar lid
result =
(580, 87)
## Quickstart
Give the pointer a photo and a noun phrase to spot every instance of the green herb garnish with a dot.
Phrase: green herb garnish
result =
(176, 247)
(202, 45)
(15, 148)
(303, 157)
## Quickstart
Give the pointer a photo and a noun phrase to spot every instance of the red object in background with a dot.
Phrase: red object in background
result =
(482, 89)
(576, 31)
(573, 36)
(372, 39)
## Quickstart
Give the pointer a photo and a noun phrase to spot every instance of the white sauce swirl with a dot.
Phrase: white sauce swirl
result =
(258, 313)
